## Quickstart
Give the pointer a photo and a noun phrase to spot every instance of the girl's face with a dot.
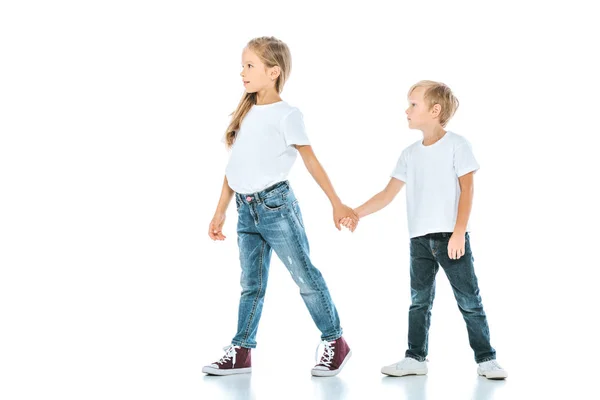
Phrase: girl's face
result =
(255, 75)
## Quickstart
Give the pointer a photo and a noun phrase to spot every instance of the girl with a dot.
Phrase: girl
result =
(265, 135)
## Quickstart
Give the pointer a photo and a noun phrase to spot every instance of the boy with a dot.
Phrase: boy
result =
(438, 173)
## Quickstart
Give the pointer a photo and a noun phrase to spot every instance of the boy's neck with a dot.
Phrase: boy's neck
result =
(433, 134)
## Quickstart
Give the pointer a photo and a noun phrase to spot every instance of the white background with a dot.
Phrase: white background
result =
(111, 115)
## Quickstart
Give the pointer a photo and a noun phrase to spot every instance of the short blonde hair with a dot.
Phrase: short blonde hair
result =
(438, 93)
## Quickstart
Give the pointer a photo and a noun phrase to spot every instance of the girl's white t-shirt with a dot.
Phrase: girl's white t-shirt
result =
(263, 153)
(431, 175)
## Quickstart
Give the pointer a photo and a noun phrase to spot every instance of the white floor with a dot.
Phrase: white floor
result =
(446, 380)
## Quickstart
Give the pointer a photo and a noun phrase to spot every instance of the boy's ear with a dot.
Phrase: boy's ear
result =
(436, 110)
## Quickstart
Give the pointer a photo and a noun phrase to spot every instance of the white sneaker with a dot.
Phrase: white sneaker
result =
(492, 370)
(408, 366)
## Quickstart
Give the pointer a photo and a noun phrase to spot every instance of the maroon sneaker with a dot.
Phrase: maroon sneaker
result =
(235, 361)
(335, 355)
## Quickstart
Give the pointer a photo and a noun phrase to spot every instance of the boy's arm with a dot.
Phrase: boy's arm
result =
(456, 244)
(381, 199)
(465, 203)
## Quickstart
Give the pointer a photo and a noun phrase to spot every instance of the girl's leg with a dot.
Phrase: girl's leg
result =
(255, 257)
(282, 226)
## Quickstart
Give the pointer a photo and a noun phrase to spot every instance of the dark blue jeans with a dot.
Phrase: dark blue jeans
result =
(267, 221)
(427, 253)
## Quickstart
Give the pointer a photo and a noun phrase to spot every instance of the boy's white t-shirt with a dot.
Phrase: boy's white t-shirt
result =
(431, 176)
(263, 153)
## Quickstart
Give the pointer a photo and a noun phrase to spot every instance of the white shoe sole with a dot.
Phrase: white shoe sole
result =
(221, 372)
(320, 372)
(496, 375)
(403, 372)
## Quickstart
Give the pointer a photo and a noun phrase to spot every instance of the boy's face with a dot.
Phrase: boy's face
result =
(418, 113)
(255, 75)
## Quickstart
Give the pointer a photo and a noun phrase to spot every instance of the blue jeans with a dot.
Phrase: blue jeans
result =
(427, 253)
(271, 220)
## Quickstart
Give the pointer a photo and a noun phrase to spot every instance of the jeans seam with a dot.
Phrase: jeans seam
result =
(304, 264)
(256, 299)
(429, 307)
(430, 303)
(294, 203)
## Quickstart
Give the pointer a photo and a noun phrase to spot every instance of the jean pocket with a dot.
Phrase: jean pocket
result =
(274, 202)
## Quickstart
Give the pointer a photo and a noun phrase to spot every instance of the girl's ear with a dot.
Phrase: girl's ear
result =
(275, 71)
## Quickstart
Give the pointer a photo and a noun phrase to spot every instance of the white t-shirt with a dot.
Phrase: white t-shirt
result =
(431, 176)
(263, 152)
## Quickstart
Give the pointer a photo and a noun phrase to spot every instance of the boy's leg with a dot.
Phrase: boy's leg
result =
(255, 257)
(461, 275)
(423, 268)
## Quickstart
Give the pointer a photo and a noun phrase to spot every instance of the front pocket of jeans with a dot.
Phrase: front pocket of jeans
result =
(273, 203)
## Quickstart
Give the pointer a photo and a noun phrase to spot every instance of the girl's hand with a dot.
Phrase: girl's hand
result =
(456, 246)
(342, 211)
(215, 228)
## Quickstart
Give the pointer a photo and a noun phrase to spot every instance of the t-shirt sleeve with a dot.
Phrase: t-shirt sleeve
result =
(294, 131)
(399, 171)
(464, 160)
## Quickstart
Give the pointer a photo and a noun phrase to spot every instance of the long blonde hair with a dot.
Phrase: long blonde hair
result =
(272, 52)
(438, 93)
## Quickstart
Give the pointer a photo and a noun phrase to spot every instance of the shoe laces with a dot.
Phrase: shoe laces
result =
(230, 353)
(327, 355)
(493, 365)
(410, 360)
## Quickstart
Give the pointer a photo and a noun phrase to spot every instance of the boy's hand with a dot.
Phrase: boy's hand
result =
(343, 211)
(456, 246)
(349, 223)
(215, 228)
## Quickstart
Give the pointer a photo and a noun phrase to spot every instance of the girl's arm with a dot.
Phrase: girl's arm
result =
(215, 229)
(318, 173)
(381, 199)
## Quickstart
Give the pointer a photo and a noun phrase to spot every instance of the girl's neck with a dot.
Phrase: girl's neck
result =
(267, 96)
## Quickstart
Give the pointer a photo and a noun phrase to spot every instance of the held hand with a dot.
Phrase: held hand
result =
(342, 212)
(215, 227)
(349, 223)
(456, 246)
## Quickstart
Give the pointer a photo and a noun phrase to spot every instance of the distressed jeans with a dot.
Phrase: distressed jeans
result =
(271, 220)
